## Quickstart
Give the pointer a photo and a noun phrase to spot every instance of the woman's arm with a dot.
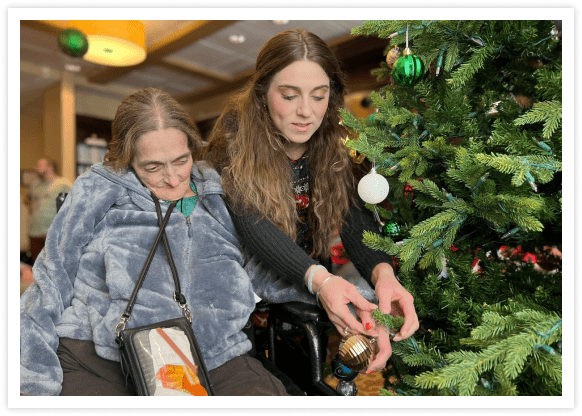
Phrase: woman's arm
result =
(273, 247)
(43, 303)
(377, 268)
(365, 259)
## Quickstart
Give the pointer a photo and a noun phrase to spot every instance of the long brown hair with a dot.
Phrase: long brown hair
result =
(248, 149)
(146, 110)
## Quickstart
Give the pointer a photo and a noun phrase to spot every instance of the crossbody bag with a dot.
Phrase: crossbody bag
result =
(163, 358)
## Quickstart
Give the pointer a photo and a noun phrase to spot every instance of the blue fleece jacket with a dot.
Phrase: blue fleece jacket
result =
(94, 252)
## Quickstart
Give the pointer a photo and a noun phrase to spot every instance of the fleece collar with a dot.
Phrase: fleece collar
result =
(205, 178)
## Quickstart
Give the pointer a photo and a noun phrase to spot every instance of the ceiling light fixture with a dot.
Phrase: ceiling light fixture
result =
(280, 22)
(113, 42)
(237, 38)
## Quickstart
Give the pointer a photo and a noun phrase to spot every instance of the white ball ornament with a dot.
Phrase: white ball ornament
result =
(373, 188)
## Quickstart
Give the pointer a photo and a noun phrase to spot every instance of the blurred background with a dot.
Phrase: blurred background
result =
(66, 99)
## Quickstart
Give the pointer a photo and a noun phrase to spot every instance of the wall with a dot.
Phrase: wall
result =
(31, 143)
(52, 124)
(97, 106)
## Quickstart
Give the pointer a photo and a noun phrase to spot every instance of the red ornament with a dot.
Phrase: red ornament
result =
(302, 201)
(527, 257)
(338, 254)
(408, 191)
(396, 264)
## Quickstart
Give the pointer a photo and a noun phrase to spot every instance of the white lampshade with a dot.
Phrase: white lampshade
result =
(113, 42)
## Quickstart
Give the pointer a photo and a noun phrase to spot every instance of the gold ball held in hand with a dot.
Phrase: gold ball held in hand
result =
(356, 351)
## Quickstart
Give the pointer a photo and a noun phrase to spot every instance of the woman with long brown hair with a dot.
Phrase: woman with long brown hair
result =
(290, 185)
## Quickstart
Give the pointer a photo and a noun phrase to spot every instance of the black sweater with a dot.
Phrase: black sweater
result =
(288, 258)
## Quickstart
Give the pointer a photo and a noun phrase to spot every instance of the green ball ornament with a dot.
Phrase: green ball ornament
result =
(73, 42)
(391, 229)
(408, 69)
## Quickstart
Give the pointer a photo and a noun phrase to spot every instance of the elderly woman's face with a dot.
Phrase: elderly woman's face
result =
(163, 163)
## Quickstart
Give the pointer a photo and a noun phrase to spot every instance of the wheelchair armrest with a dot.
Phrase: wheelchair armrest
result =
(299, 312)
(308, 317)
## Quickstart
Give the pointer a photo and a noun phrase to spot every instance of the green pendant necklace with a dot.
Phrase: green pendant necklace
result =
(187, 205)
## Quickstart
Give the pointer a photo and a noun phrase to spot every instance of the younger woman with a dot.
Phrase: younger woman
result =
(290, 186)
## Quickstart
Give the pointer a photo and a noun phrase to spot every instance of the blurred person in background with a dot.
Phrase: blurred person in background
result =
(42, 200)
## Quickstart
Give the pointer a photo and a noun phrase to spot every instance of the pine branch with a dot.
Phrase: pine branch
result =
(388, 321)
(470, 68)
(548, 112)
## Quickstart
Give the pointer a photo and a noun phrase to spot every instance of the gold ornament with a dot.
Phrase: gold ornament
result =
(392, 56)
(356, 158)
(355, 352)
(523, 101)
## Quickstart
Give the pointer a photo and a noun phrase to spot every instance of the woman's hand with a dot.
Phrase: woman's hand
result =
(395, 299)
(335, 294)
(383, 351)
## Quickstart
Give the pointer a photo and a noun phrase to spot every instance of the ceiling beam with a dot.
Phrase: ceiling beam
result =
(205, 93)
(346, 48)
(54, 27)
(156, 53)
(190, 68)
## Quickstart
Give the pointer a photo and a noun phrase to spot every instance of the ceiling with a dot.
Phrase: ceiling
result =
(192, 60)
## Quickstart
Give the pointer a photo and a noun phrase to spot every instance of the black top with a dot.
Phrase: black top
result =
(292, 260)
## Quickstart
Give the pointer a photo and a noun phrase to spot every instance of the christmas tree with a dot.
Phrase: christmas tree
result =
(468, 133)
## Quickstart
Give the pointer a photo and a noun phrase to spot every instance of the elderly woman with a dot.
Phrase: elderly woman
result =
(98, 243)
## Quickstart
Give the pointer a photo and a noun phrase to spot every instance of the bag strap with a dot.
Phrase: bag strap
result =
(178, 296)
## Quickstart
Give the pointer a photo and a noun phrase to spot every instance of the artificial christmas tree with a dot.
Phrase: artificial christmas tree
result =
(472, 153)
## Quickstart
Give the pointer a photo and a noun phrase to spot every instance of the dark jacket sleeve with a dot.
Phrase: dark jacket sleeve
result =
(273, 247)
(364, 258)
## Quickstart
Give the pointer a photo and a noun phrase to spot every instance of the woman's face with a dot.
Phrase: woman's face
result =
(297, 99)
(163, 163)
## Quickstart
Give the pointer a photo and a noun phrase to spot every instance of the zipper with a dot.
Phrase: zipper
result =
(188, 221)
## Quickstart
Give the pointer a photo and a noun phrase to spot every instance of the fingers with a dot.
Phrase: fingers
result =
(342, 318)
(368, 322)
(384, 351)
(354, 326)
(359, 301)
(335, 297)
(411, 324)
(385, 296)
(396, 300)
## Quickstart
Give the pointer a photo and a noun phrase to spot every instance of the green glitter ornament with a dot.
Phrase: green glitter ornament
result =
(73, 42)
(391, 229)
